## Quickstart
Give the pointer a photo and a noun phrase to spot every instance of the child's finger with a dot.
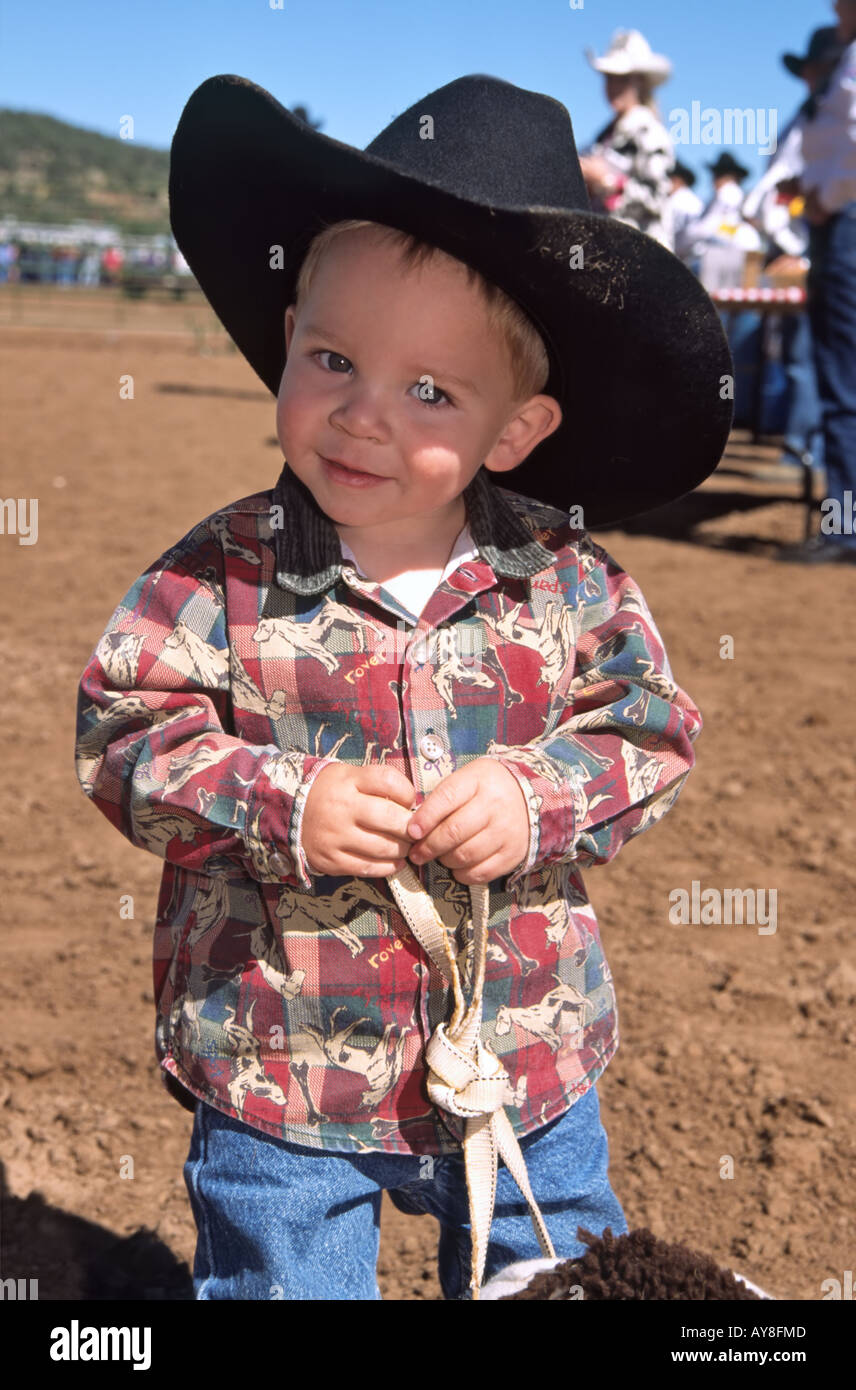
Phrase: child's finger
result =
(459, 827)
(387, 817)
(376, 779)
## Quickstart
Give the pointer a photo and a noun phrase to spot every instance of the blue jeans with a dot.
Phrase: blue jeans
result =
(803, 418)
(832, 305)
(743, 332)
(280, 1221)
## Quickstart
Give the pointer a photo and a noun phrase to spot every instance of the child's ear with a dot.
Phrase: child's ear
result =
(290, 320)
(551, 415)
(538, 418)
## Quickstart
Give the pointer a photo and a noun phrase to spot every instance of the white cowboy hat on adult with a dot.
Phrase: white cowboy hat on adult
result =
(629, 51)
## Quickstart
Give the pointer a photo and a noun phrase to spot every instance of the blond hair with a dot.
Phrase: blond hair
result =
(528, 360)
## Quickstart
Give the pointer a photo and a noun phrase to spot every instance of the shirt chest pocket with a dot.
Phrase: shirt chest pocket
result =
(327, 681)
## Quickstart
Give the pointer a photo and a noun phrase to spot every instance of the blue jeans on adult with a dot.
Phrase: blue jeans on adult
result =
(832, 305)
(280, 1221)
(803, 419)
(743, 331)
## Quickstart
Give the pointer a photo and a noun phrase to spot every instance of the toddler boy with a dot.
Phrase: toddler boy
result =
(389, 659)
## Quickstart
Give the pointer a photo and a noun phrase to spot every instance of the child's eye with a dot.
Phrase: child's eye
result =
(326, 352)
(431, 396)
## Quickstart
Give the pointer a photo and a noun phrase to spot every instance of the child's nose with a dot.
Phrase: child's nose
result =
(361, 414)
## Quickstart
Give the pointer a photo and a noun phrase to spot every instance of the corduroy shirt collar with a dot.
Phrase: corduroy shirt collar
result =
(309, 552)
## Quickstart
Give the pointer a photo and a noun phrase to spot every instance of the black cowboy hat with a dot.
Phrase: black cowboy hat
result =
(683, 171)
(727, 164)
(824, 46)
(636, 348)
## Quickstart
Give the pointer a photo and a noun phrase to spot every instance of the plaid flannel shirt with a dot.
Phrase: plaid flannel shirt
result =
(251, 655)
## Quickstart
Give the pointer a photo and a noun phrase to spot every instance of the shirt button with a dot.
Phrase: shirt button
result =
(431, 748)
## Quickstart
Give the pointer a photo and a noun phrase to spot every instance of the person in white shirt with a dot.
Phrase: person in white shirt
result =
(829, 186)
(771, 204)
(721, 233)
(627, 169)
(686, 207)
(774, 209)
(722, 238)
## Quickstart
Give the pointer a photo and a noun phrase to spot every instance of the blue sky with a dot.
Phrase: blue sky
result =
(357, 63)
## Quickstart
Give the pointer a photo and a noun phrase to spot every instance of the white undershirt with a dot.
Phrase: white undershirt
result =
(413, 588)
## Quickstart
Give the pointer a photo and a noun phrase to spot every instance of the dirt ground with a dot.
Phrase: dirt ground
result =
(733, 1042)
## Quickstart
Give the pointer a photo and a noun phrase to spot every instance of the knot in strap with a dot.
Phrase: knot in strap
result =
(464, 1085)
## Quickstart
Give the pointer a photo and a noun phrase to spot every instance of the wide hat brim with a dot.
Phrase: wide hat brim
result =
(637, 351)
(653, 66)
(727, 165)
(794, 63)
(683, 171)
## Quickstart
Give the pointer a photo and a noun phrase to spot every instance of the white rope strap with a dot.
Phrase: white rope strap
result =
(465, 1077)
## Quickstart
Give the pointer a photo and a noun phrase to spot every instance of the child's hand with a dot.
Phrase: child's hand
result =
(475, 821)
(355, 824)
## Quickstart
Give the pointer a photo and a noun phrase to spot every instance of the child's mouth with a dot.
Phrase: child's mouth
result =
(350, 477)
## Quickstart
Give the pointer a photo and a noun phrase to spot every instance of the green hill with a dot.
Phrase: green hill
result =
(51, 171)
(54, 172)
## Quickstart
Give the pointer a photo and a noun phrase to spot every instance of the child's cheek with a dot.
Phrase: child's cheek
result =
(292, 414)
(281, 425)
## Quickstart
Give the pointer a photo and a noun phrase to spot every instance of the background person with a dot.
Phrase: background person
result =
(774, 209)
(686, 207)
(112, 260)
(722, 233)
(628, 167)
(88, 271)
(829, 185)
(722, 238)
(7, 258)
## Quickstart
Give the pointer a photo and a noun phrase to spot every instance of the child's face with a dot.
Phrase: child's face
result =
(351, 391)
